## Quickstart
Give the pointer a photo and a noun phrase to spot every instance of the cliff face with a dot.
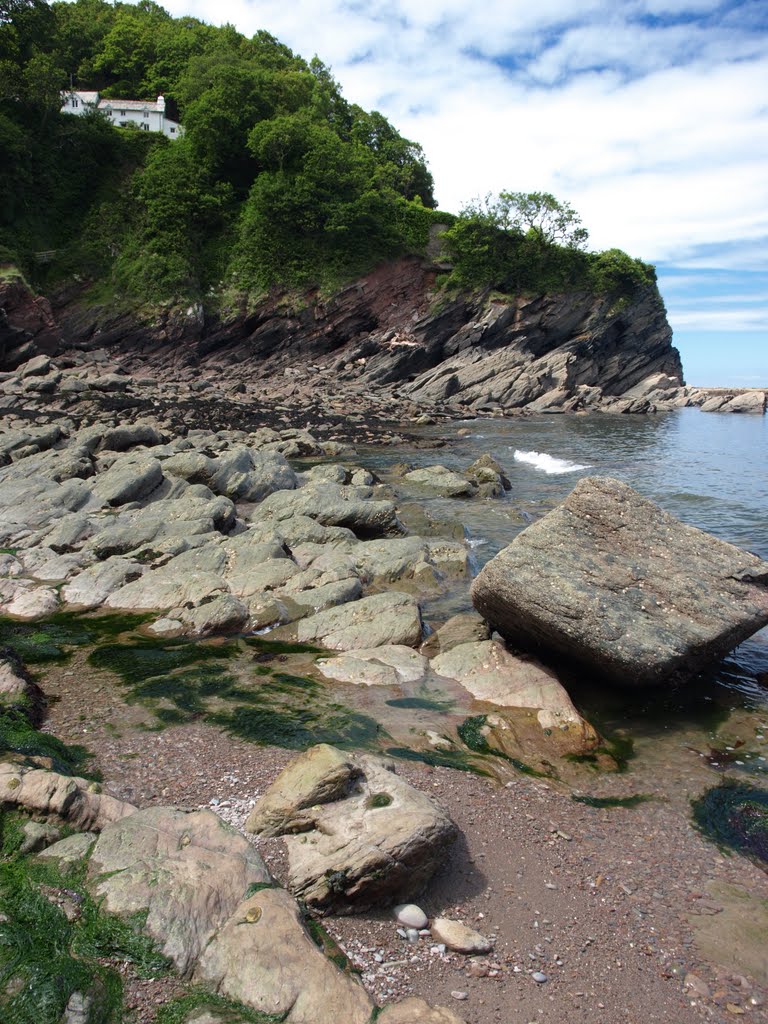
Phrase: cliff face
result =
(391, 332)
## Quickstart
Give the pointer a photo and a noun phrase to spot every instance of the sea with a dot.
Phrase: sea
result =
(711, 471)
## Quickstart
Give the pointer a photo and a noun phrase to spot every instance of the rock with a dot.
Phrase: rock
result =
(170, 586)
(38, 366)
(91, 588)
(749, 402)
(17, 689)
(187, 870)
(539, 977)
(224, 614)
(372, 840)
(38, 836)
(72, 850)
(130, 478)
(73, 800)
(493, 674)
(441, 480)
(23, 600)
(696, 986)
(612, 581)
(378, 666)
(375, 621)
(332, 505)
(263, 957)
(241, 474)
(120, 439)
(459, 937)
(414, 1010)
(321, 775)
(459, 629)
(411, 916)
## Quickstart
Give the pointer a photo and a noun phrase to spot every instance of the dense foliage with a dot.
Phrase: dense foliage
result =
(278, 179)
(520, 242)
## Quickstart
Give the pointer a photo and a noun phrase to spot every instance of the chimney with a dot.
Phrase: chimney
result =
(161, 102)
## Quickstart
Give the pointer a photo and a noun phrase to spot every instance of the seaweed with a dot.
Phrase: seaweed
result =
(18, 736)
(735, 816)
(612, 801)
(298, 728)
(179, 1010)
(425, 703)
(49, 640)
(47, 955)
(140, 660)
(439, 759)
(376, 800)
(471, 734)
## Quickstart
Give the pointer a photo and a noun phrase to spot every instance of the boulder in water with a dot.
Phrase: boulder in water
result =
(614, 582)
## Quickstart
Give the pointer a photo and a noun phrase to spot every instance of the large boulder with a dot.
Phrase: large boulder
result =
(188, 871)
(612, 581)
(367, 839)
(65, 798)
(264, 957)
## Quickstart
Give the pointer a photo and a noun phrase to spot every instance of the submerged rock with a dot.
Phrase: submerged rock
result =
(614, 582)
(368, 837)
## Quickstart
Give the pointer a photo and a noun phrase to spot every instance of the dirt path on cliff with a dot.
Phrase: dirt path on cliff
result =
(598, 901)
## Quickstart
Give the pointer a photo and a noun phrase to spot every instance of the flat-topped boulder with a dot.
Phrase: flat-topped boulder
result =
(612, 581)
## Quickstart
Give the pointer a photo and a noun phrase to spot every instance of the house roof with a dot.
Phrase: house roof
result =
(86, 97)
(129, 105)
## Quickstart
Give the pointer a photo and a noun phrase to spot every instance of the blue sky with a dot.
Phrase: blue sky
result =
(649, 116)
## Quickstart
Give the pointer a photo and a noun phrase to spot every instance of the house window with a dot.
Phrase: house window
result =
(173, 131)
(122, 113)
(74, 102)
(146, 113)
(145, 127)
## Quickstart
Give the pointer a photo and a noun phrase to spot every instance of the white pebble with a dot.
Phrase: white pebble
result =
(411, 916)
(539, 978)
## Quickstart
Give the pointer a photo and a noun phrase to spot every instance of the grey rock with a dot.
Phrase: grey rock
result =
(391, 618)
(263, 957)
(441, 480)
(371, 840)
(130, 478)
(187, 870)
(76, 801)
(332, 505)
(611, 580)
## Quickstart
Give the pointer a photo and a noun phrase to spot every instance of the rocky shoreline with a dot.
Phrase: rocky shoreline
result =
(124, 494)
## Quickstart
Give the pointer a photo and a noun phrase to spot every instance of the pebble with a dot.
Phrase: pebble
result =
(539, 977)
(460, 995)
(411, 916)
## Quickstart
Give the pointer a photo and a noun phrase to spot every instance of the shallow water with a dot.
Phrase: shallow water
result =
(710, 471)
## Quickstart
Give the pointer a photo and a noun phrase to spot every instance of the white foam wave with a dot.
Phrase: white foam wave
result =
(549, 464)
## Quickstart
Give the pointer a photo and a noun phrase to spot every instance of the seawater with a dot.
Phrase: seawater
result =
(710, 470)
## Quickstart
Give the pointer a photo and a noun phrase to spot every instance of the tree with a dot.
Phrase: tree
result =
(550, 221)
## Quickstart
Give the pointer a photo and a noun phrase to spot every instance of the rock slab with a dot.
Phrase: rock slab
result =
(612, 581)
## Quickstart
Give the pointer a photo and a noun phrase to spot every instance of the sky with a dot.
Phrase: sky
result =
(649, 116)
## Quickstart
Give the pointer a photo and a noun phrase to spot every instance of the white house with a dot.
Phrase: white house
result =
(149, 117)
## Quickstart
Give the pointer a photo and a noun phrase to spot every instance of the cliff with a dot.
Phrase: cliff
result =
(389, 333)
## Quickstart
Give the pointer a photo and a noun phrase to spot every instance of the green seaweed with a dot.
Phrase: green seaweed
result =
(179, 1010)
(471, 734)
(276, 647)
(439, 759)
(45, 956)
(735, 816)
(47, 641)
(612, 801)
(18, 736)
(298, 728)
(425, 703)
(140, 660)
(376, 800)
(325, 942)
